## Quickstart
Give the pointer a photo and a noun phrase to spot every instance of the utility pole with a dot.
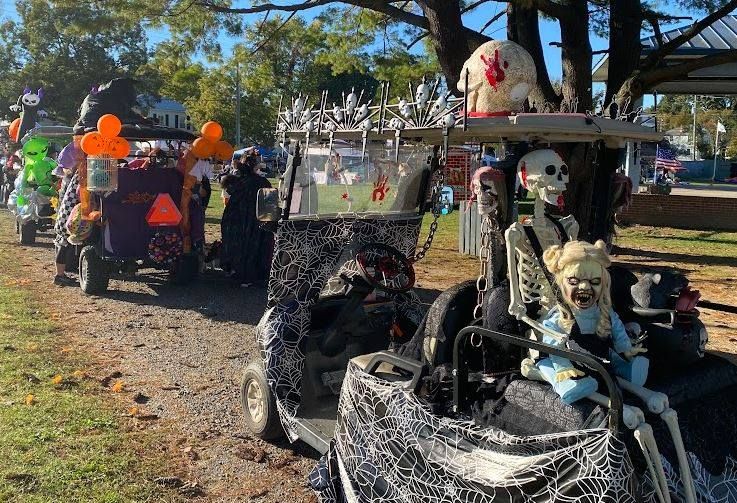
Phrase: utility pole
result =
(237, 106)
(693, 145)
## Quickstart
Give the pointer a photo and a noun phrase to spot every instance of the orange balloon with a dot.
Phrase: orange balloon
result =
(13, 129)
(92, 143)
(109, 126)
(118, 148)
(202, 148)
(212, 131)
(223, 150)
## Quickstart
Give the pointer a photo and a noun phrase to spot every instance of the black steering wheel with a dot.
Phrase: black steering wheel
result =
(385, 268)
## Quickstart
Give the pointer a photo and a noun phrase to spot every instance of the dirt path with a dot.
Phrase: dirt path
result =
(180, 353)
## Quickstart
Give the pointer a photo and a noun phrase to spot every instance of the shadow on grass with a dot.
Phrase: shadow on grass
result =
(704, 237)
(676, 257)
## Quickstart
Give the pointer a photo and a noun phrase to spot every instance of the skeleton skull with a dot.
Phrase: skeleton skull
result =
(422, 95)
(367, 125)
(362, 112)
(447, 121)
(338, 113)
(440, 105)
(405, 109)
(299, 104)
(485, 186)
(545, 174)
(351, 102)
(396, 123)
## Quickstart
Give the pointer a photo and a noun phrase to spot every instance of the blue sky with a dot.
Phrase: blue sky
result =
(550, 31)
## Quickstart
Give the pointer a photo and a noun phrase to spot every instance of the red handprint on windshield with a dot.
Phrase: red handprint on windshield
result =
(380, 188)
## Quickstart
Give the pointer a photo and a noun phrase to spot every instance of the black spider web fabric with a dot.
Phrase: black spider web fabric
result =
(309, 257)
(388, 447)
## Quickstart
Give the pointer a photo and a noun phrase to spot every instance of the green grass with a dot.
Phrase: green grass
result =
(69, 444)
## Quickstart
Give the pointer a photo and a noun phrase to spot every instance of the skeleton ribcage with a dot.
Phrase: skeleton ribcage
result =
(533, 284)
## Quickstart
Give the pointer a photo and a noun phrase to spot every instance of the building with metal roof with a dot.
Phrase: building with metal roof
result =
(714, 80)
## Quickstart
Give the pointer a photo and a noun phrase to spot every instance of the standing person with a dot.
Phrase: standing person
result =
(246, 248)
(70, 158)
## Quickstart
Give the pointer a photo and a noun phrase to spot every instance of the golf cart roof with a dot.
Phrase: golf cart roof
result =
(136, 132)
(436, 117)
(48, 132)
(541, 127)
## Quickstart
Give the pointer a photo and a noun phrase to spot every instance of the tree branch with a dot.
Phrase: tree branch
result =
(495, 18)
(476, 4)
(665, 49)
(665, 73)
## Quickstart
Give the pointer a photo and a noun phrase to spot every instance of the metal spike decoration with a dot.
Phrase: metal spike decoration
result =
(429, 108)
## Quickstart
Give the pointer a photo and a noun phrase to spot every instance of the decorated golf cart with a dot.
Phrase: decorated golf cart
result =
(34, 196)
(140, 203)
(530, 382)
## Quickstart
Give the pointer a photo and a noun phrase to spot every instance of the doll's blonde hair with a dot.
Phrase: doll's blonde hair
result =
(559, 258)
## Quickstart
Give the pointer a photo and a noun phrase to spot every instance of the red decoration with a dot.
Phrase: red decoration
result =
(163, 212)
(494, 72)
(380, 188)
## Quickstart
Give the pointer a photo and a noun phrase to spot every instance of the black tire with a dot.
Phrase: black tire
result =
(93, 272)
(27, 233)
(185, 270)
(259, 405)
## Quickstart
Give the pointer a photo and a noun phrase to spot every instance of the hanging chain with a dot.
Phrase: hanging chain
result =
(484, 255)
(436, 210)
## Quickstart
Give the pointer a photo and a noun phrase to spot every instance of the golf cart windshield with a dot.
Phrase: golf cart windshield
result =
(343, 180)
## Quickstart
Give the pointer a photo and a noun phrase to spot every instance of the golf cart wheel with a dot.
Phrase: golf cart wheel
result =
(259, 405)
(27, 233)
(93, 273)
(185, 270)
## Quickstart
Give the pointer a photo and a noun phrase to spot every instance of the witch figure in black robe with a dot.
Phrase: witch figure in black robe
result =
(246, 249)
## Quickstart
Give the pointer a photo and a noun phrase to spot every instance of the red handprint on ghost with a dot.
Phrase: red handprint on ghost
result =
(494, 71)
(380, 188)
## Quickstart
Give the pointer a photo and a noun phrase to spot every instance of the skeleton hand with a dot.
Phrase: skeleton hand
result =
(568, 374)
(14, 108)
(636, 350)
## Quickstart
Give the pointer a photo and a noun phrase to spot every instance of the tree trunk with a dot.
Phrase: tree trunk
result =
(576, 56)
(625, 20)
(523, 28)
(450, 39)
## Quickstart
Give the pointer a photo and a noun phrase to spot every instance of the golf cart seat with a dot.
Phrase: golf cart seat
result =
(392, 367)
(533, 408)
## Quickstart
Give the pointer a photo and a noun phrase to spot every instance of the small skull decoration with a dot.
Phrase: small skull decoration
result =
(422, 95)
(351, 102)
(338, 113)
(440, 106)
(486, 185)
(405, 109)
(299, 104)
(362, 112)
(448, 121)
(544, 173)
(367, 125)
(396, 123)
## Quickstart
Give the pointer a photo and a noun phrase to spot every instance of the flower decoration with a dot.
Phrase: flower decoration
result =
(165, 248)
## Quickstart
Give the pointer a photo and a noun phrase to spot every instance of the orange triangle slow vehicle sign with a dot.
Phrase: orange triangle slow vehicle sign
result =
(163, 212)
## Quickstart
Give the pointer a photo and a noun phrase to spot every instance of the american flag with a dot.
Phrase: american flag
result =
(665, 159)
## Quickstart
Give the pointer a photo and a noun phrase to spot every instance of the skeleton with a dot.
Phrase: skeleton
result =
(545, 174)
